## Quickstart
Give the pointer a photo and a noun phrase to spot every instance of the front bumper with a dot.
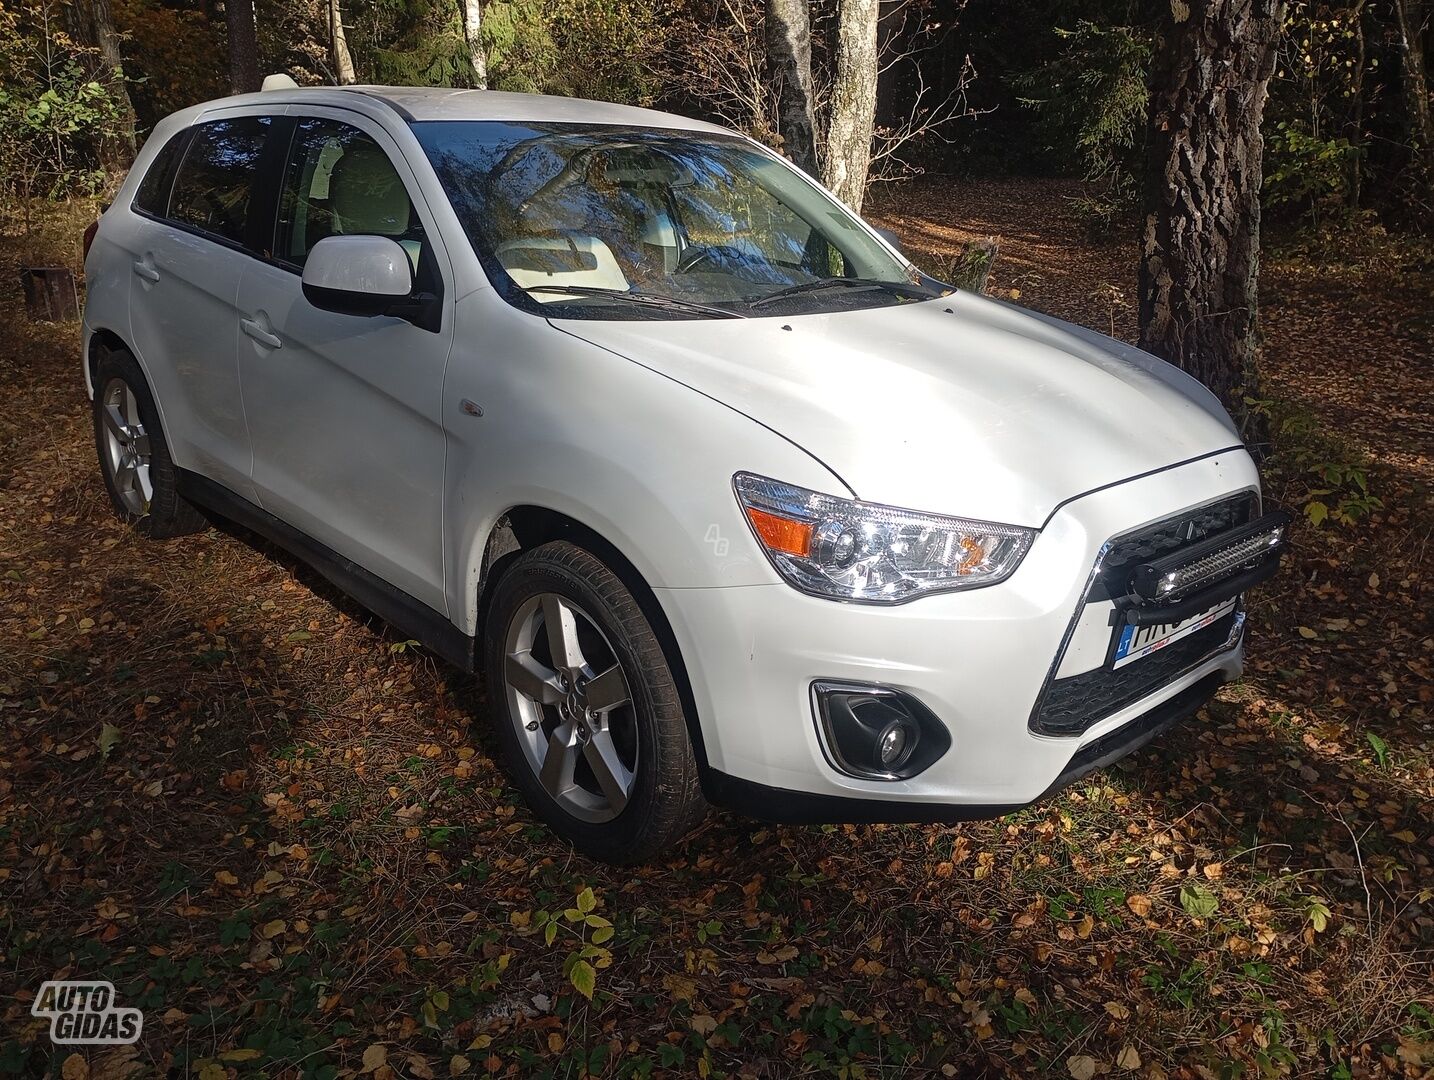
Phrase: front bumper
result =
(979, 660)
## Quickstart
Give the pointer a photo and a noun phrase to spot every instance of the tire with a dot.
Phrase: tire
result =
(138, 472)
(543, 707)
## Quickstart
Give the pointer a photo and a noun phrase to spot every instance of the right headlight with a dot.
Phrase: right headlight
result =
(849, 550)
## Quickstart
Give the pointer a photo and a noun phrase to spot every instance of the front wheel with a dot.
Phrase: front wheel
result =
(587, 708)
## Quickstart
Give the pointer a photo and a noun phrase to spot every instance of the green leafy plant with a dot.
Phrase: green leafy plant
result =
(1380, 748)
(1317, 913)
(1315, 121)
(599, 49)
(1348, 499)
(1198, 901)
(1327, 477)
(54, 108)
(590, 931)
(1304, 170)
(434, 1002)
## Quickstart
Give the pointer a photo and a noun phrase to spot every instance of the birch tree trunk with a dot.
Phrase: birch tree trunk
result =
(343, 61)
(472, 33)
(1410, 14)
(853, 110)
(1201, 251)
(789, 65)
(243, 45)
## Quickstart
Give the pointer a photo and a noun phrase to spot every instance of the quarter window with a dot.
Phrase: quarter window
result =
(215, 184)
(340, 182)
(153, 194)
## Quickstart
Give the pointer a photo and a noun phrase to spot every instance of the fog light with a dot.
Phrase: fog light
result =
(876, 733)
(891, 747)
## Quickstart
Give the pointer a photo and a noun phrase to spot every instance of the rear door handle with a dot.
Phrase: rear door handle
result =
(145, 269)
(257, 331)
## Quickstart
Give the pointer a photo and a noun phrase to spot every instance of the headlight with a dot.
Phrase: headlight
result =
(850, 550)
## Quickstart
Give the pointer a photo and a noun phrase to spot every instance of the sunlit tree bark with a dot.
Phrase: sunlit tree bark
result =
(789, 63)
(853, 115)
(1201, 251)
(343, 61)
(473, 34)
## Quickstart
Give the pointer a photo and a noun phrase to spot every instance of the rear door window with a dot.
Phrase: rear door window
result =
(214, 188)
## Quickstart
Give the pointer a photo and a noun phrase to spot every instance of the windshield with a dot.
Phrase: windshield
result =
(580, 221)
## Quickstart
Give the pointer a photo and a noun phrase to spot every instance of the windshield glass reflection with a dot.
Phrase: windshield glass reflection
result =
(606, 222)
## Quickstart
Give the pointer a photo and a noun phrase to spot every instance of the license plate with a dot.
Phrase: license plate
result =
(1138, 641)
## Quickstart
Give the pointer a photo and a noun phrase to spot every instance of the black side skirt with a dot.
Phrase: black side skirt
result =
(805, 808)
(388, 602)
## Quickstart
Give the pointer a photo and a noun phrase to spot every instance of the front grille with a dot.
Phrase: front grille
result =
(1072, 705)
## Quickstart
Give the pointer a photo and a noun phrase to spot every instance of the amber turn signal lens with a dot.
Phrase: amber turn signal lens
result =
(781, 534)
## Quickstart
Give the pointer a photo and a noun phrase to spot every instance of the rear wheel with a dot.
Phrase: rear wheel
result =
(587, 708)
(134, 459)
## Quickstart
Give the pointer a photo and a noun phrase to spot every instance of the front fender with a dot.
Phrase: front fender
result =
(631, 454)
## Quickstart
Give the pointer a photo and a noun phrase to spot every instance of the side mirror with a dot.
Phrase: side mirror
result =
(359, 275)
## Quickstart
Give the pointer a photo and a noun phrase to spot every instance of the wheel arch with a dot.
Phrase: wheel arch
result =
(100, 343)
(524, 527)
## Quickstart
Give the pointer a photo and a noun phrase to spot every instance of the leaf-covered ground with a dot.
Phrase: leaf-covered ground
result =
(280, 830)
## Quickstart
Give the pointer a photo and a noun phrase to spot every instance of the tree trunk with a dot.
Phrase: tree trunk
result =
(343, 61)
(848, 149)
(972, 268)
(1354, 125)
(789, 65)
(243, 46)
(1416, 83)
(1201, 251)
(93, 24)
(472, 34)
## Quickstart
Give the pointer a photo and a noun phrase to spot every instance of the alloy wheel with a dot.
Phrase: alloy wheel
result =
(569, 700)
(127, 449)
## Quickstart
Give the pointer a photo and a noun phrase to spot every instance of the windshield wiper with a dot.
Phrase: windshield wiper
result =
(649, 299)
(911, 292)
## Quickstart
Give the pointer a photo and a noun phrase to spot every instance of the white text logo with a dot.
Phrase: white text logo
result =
(717, 540)
(84, 1013)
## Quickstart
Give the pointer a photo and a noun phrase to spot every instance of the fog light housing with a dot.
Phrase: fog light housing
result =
(876, 733)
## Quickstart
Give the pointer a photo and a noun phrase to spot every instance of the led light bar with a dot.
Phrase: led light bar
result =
(1167, 580)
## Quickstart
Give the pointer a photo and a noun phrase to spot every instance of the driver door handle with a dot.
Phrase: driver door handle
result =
(259, 333)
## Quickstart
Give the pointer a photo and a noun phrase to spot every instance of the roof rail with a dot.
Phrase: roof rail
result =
(278, 81)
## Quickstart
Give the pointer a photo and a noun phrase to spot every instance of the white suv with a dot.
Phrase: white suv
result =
(727, 500)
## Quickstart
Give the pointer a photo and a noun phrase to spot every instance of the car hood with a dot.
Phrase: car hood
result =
(961, 405)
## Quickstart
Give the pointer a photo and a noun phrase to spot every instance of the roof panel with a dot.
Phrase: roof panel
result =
(439, 103)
